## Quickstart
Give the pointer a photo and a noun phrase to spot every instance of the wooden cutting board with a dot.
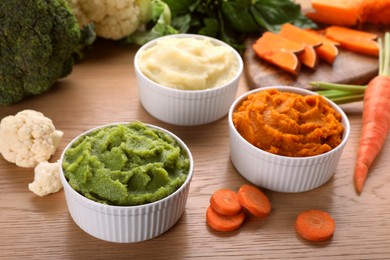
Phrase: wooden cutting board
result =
(348, 67)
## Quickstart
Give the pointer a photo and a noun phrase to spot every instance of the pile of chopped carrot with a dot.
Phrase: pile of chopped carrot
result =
(226, 209)
(294, 46)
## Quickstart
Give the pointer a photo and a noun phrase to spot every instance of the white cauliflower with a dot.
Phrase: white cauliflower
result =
(113, 19)
(46, 179)
(119, 19)
(28, 138)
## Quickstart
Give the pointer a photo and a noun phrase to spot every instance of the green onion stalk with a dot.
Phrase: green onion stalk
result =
(347, 93)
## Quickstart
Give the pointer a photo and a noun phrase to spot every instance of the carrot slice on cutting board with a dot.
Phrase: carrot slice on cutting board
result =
(279, 51)
(328, 50)
(309, 56)
(354, 40)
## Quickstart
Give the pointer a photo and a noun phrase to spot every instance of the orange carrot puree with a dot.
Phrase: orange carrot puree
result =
(289, 124)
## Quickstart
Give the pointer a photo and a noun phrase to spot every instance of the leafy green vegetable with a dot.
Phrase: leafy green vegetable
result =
(232, 20)
(179, 7)
(159, 24)
(38, 39)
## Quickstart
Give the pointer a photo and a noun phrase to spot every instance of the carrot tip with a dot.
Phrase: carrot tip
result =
(360, 176)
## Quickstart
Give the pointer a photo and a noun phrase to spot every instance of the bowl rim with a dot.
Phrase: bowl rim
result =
(297, 90)
(189, 35)
(96, 204)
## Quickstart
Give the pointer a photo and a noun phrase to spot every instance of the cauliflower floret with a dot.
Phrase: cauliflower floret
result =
(28, 138)
(113, 19)
(46, 179)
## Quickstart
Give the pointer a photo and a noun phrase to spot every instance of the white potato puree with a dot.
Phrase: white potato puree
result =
(188, 63)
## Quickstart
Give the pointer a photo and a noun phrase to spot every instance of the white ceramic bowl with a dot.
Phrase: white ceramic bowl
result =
(186, 107)
(125, 224)
(282, 173)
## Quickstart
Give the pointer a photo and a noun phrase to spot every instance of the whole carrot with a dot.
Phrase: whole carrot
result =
(376, 116)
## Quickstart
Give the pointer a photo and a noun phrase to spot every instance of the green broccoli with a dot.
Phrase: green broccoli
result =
(37, 41)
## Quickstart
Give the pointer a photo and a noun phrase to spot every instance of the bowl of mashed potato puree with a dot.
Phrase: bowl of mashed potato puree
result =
(186, 79)
(286, 139)
(126, 182)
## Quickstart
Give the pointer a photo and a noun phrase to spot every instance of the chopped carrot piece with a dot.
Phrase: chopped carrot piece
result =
(354, 40)
(254, 200)
(225, 202)
(328, 51)
(223, 223)
(315, 225)
(309, 56)
(279, 51)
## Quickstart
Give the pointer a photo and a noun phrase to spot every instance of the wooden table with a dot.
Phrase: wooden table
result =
(102, 89)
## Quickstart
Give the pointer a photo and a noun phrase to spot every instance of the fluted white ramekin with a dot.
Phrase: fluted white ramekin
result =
(283, 173)
(126, 224)
(186, 107)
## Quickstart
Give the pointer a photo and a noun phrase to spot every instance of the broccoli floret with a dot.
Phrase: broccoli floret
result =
(37, 40)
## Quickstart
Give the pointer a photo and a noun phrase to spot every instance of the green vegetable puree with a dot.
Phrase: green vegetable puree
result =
(126, 164)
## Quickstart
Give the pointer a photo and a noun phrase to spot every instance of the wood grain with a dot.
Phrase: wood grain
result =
(102, 89)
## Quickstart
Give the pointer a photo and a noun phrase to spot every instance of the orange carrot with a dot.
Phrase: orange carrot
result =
(336, 12)
(315, 225)
(279, 51)
(354, 40)
(376, 11)
(376, 116)
(310, 42)
(225, 202)
(350, 12)
(220, 222)
(328, 51)
(254, 200)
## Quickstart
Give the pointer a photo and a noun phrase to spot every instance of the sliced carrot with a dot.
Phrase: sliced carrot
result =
(328, 51)
(254, 200)
(309, 56)
(279, 51)
(225, 202)
(223, 223)
(336, 12)
(354, 40)
(315, 225)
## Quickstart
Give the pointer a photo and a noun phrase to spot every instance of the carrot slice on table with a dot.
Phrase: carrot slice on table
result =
(225, 202)
(315, 225)
(254, 200)
(354, 40)
(279, 51)
(220, 222)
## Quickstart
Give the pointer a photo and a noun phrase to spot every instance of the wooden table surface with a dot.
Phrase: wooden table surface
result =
(102, 89)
